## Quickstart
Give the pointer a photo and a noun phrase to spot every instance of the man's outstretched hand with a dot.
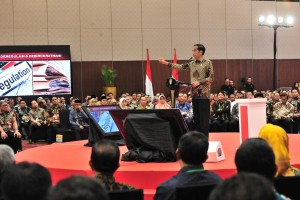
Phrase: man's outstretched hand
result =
(163, 61)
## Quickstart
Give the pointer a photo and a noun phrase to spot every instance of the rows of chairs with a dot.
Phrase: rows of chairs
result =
(288, 186)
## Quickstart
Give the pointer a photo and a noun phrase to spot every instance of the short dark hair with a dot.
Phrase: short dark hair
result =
(259, 95)
(192, 148)
(200, 47)
(256, 156)
(245, 186)
(26, 181)
(283, 95)
(22, 101)
(78, 188)
(105, 156)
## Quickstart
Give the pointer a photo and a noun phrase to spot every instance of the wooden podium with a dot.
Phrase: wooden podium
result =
(252, 117)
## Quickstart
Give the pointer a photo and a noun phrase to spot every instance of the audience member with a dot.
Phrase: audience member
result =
(185, 108)
(9, 130)
(53, 120)
(38, 117)
(23, 118)
(162, 104)
(278, 140)
(227, 88)
(248, 86)
(78, 188)
(191, 153)
(143, 104)
(28, 181)
(283, 113)
(256, 156)
(7, 160)
(123, 104)
(244, 186)
(221, 114)
(104, 162)
(78, 120)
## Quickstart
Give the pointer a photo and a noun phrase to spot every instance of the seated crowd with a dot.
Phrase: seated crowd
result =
(42, 116)
(258, 162)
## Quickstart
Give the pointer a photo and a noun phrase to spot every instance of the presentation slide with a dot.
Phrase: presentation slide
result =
(35, 70)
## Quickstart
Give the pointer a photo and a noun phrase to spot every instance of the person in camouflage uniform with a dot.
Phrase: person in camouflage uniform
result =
(10, 134)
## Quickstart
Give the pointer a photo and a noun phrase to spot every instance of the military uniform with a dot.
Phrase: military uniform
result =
(296, 120)
(201, 71)
(53, 123)
(23, 120)
(38, 115)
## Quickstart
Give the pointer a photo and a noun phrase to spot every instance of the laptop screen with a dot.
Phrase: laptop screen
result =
(102, 119)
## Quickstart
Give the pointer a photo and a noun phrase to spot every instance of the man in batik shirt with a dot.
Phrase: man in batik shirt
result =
(9, 131)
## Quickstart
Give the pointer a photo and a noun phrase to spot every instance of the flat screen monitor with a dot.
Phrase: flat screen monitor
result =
(102, 120)
(172, 115)
(35, 70)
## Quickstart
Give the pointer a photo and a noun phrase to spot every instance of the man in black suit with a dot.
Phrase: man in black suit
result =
(248, 86)
(191, 153)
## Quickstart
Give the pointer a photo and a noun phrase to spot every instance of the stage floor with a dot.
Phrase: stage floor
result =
(71, 158)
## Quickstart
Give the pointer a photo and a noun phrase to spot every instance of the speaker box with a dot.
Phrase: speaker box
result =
(201, 110)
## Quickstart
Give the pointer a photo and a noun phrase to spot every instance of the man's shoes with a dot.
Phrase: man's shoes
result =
(30, 141)
(89, 144)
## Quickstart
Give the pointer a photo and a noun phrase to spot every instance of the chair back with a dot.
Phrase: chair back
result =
(194, 192)
(288, 186)
(137, 194)
(64, 119)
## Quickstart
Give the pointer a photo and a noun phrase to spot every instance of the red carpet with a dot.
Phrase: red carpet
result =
(67, 159)
(26, 145)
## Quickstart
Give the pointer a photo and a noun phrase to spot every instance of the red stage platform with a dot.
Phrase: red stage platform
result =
(67, 159)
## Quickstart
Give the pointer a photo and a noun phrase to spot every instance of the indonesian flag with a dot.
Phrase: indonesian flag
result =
(148, 82)
(175, 71)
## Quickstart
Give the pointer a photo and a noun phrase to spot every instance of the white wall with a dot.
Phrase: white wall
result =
(100, 30)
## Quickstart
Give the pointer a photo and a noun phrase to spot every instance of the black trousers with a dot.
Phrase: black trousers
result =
(286, 124)
(80, 134)
(52, 130)
(233, 125)
(24, 129)
(12, 141)
(220, 125)
(37, 132)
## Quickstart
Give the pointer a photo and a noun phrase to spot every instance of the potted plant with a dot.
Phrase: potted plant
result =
(108, 75)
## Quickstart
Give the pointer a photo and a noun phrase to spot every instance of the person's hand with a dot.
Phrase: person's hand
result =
(38, 123)
(195, 84)
(81, 127)
(3, 135)
(207, 83)
(17, 134)
(163, 61)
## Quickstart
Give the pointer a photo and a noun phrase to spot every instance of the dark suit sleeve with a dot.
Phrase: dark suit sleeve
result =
(164, 193)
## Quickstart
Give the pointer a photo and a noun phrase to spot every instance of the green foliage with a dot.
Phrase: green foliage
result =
(108, 75)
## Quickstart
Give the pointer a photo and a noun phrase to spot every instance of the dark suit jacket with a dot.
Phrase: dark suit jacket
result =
(189, 175)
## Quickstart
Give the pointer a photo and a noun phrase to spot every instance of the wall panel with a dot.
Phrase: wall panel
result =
(131, 75)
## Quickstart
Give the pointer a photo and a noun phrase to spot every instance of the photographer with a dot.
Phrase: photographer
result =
(78, 120)
(38, 119)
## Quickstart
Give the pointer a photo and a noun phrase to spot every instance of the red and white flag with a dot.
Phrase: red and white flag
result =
(175, 71)
(148, 82)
